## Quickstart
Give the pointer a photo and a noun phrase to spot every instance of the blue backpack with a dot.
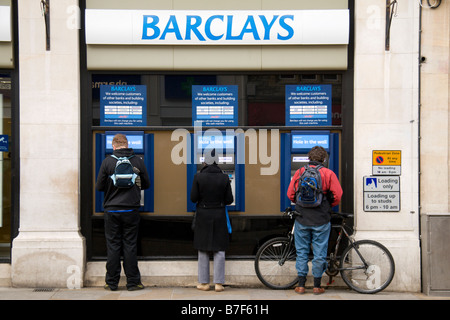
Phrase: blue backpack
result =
(309, 191)
(124, 175)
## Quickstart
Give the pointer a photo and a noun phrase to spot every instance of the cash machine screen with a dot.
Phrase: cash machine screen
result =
(217, 141)
(224, 145)
(135, 141)
(301, 144)
(306, 141)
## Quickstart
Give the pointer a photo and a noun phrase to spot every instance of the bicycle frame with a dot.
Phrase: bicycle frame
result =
(334, 255)
(334, 259)
(285, 255)
(373, 276)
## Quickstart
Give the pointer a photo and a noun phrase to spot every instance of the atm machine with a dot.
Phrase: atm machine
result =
(143, 146)
(229, 153)
(294, 155)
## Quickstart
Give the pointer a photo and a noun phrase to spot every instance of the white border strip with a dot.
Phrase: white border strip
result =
(5, 23)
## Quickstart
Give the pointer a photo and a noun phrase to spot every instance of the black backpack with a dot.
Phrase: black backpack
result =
(124, 175)
(309, 191)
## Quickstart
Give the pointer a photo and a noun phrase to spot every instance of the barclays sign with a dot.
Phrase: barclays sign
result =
(5, 23)
(222, 27)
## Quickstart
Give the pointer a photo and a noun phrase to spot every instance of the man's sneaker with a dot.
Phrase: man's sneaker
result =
(136, 287)
(108, 287)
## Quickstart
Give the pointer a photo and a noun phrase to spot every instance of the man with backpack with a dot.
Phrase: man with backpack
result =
(315, 190)
(121, 177)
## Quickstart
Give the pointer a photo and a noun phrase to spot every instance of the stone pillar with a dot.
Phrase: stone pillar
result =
(386, 118)
(49, 250)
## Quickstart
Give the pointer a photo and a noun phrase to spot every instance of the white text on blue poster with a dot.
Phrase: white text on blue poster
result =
(123, 105)
(308, 105)
(215, 105)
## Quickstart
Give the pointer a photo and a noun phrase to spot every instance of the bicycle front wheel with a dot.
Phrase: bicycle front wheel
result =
(367, 266)
(275, 263)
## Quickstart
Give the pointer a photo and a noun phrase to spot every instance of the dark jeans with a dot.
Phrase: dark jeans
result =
(121, 231)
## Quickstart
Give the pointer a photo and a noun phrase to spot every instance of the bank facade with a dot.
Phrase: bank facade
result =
(367, 80)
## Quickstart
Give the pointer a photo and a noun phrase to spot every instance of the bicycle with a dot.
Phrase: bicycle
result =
(366, 266)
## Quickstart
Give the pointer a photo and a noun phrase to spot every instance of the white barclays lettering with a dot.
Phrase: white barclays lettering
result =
(217, 27)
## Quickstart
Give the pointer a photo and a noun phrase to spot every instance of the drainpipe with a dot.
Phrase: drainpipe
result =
(420, 61)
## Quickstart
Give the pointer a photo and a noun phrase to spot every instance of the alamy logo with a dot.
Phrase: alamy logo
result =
(258, 146)
(74, 279)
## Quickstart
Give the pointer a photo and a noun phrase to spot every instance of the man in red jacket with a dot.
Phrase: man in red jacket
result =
(312, 224)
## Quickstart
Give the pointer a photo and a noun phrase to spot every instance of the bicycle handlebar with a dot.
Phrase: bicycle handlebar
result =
(344, 214)
(290, 212)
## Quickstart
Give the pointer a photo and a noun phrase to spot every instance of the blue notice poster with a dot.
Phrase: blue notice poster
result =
(308, 105)
(4, 144)
(215, 105)
(123, 105)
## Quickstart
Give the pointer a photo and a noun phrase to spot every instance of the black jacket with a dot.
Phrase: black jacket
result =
(121, 198)
(211, 190)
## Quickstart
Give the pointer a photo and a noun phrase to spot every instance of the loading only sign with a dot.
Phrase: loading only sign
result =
(381, 193)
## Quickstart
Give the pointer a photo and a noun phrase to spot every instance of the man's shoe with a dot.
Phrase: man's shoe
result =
(136, 287)
(219, 287)
(317, 291)
(203, 286)
(299, 290)
(108, 287)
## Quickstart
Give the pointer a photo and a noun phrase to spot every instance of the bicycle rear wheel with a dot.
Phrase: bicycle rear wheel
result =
(275, 263)
(373, 277)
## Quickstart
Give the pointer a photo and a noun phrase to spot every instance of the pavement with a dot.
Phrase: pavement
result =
(187, 302)
(191, 293)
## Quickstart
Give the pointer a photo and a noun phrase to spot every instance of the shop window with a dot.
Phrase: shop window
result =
(266, 96)
(261, 96)
(261, 102)
(99, 80)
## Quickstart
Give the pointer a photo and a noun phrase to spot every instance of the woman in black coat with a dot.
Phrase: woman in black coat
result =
(211, 190)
